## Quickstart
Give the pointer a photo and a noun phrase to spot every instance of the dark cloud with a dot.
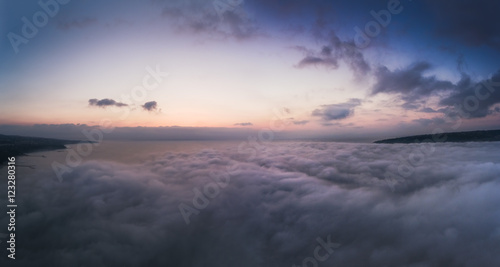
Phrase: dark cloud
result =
(150, 106)
(243, 124)
(105, 102)
(413, 86)
(336, 50)
(477, 99)
(271, 212)
(411, 83)
(337, 111)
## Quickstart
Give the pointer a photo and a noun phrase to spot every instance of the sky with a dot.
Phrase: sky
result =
(339, 69)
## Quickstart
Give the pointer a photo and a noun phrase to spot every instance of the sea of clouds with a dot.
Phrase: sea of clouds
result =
(268, 207)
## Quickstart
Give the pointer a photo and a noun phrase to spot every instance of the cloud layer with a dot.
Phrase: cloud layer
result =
(278, 200)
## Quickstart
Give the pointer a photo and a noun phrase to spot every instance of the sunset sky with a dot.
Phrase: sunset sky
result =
(236, 64)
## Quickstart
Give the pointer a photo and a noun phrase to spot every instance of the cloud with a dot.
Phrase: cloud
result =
(105, 102)
(216, 18)
(337, 111)
(150, 106)
(312, 60)
(334, 51)
(271, 211)
(243, 124)
(477, 99)
(411, 83)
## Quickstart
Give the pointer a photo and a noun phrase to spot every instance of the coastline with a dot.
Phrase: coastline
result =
(457, 137)
(13, 145)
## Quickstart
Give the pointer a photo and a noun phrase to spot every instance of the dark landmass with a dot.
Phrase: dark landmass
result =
(14, 145)
(474, 136)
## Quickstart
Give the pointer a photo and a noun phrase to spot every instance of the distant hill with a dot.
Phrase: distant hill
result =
(474, 136)
(14, 145)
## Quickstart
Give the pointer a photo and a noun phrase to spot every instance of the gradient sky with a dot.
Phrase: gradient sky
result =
(235, 63)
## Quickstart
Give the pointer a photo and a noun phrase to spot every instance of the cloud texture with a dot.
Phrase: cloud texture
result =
(279, 199)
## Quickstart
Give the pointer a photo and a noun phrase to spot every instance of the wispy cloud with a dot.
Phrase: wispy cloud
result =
(332, 53)
(202, 17)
